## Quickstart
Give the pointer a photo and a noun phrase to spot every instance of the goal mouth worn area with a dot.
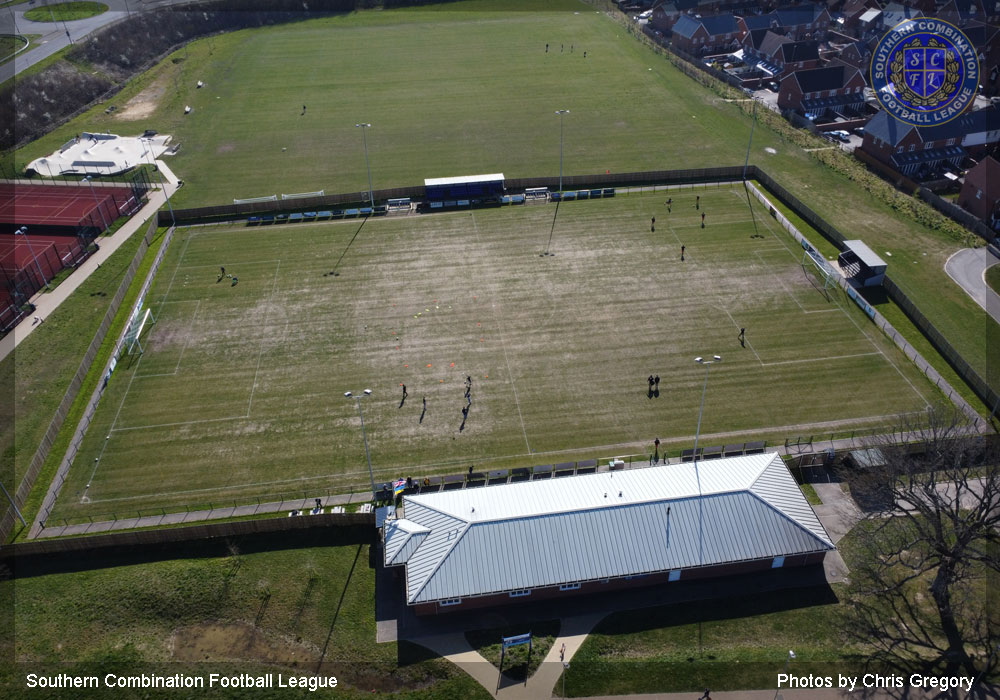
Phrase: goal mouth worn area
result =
(239, 393)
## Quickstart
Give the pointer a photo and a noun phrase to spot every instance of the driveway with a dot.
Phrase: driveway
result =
(968, 267)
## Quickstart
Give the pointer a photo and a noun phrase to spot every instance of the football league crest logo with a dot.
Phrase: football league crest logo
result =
(925, 72)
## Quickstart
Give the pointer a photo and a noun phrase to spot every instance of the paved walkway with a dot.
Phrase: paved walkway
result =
(47, 302)
(968, 268)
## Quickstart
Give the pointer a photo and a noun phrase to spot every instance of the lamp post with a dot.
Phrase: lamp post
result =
(697, 432)
(364, 126)
(100, 211)
(565, 669)
(364, 435)
(23, 231)
(788, 660)
(561, 112)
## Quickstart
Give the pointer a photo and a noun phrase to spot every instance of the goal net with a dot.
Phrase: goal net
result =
(819, 272)
(251, 200)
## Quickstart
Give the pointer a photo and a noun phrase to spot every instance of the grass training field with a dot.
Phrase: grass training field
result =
(240, 391)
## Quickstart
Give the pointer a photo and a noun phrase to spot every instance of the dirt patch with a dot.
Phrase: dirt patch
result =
(145, 103)
(225, 642)
(226, 148)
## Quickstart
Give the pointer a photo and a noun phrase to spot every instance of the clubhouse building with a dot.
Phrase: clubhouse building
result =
(480, 547)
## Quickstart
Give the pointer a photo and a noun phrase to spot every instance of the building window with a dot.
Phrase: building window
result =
(569, 587)
(778, 562)
(521, 593)
(605, 580)
(674, 575)
(979, 194)
(913, 147)
(635, 576)
(450, 601)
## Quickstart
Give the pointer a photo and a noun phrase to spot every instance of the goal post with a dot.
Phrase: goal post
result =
(820, 272)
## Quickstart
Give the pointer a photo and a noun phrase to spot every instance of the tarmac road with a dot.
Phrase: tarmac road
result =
(56, 36)
(967, 268)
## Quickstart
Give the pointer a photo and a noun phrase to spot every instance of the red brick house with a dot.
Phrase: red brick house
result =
(918, 151)
(706, 35)
(986, 39)
(980, 194)
(817, 91)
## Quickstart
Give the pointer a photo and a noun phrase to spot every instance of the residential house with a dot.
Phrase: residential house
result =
(919, 151)
(980, 193)
(961, 12)
(894, 13)
(778, 55)
(986, 39)
(807, 21)
(706, 35)
(818, 91)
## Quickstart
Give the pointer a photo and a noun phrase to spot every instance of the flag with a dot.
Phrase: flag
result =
(397, 487)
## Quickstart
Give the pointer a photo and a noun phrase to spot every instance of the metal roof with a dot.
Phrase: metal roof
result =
(865, 254)
(462, 179)
(402, 537)
(604, 525)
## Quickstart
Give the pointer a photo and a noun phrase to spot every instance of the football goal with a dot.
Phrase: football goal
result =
(820, 273)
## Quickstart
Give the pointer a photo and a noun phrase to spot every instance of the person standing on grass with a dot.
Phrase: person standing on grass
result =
(682, 252)
(656, 381)
(703, 219)
(697, 201)
(404, 392)
(743, 339)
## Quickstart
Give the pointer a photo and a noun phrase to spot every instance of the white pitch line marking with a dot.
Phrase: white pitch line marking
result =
(498, 313)
(260, 353)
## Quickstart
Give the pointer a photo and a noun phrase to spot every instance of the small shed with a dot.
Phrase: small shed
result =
(861, 265)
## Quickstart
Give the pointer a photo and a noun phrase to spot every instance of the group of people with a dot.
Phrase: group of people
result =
(562, 48)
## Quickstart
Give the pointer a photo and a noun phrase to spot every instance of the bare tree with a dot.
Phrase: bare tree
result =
(925, 581)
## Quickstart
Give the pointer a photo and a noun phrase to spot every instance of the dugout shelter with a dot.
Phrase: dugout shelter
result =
(861, 265)
(464, 187)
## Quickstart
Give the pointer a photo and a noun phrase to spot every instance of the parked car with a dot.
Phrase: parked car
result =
(841, 136)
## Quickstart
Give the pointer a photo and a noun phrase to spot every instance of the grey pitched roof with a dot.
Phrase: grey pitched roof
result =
(968, 123)
(755, 38)
(686, 26)
(828, 78)
(894, 13)
(767, 21)
(887, 128)
(800, 51)
(606, 525)
(720, 24)
(798, 14)
(771, 42)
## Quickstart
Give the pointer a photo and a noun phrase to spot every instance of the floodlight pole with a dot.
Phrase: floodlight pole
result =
(697, 432)
(561, 112)
(13, 505)
(23, 231)
(364, 138)
(99, 210)
(364, 435)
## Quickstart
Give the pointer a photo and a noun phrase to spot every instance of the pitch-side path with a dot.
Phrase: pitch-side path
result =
(47, 302)
(968, 267)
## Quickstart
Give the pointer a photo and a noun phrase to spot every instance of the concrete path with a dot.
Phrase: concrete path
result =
(968, 268)
(47, 302)
(572, 633)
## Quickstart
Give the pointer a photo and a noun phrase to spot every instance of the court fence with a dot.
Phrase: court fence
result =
(27, 483)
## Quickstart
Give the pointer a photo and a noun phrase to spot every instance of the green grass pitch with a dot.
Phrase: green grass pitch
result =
(240, 390)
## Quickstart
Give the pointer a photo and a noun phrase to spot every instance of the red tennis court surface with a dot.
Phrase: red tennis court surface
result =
(56, 205)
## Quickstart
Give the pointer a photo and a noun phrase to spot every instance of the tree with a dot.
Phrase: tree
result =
(925, 560)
